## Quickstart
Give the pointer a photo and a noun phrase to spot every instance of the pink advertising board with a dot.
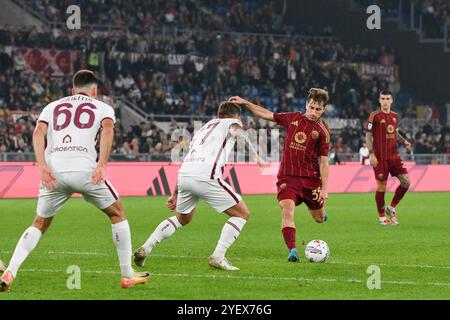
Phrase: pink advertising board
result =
(21, 180)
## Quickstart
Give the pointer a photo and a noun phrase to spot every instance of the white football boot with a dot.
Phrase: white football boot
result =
(221, 263)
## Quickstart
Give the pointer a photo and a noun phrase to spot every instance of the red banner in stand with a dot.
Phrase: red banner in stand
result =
(52, 62)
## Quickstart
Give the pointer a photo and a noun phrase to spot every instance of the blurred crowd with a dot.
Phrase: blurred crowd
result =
(274, 71)
(137, 15)
(432, 13)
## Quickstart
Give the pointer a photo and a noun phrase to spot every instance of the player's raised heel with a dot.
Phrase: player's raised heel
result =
(138, 278)
(293, 255)
(221, 263)
(6, 281)
(140, 256)
(2, 266)
(392, 214)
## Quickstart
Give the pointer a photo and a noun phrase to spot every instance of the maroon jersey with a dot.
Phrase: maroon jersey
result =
(305, 141)
(384, 129)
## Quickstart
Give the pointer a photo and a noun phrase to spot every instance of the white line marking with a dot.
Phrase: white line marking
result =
(362, 264)
(252, 277)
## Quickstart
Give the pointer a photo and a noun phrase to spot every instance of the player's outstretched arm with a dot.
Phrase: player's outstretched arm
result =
(324, 169)
(237, 132)
(172, 201)
(257, 110)
(369, 141)
(106, 141)
(47, 177)
(402, 140)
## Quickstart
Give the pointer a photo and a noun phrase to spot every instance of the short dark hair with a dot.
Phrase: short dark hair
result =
(228, 109)
(318, 95)
(84, 78)
(385, 92)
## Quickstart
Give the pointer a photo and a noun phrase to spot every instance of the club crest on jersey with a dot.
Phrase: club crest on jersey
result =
(315, 134)
(390, 128)
(295, 123)
(300, 137)
(394, 119)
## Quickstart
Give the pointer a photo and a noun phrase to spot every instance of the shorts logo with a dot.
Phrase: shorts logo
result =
(300, 137)
(380, 176)
(315, 134)
(283, 186)
(390, 128)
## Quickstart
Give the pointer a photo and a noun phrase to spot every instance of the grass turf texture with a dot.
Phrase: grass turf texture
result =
(413, 257)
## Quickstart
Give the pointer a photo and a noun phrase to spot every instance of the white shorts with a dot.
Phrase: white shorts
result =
(49, 203)
(217, 193)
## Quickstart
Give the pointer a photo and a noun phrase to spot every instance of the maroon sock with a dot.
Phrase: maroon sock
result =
(289, 237)
(399, 193)
(379, 198)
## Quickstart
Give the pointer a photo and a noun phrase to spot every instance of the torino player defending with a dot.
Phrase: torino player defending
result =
(303, 173)
(200, 178)
(381, 139)
(67, 165)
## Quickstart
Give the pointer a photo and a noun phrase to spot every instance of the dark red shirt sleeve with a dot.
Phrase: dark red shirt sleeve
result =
(284, 119)
(325, 144)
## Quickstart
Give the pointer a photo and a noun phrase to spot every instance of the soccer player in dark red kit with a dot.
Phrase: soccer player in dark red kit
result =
(381, 138)
(303, 172)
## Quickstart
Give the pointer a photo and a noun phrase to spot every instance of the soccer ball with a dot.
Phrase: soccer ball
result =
(317, 251)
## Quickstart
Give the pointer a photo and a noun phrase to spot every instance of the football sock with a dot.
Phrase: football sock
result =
(122, 240)
(164, 230)
(379, 198)
(26, 244)
(289, 237)
(399, 193)
(230, 232)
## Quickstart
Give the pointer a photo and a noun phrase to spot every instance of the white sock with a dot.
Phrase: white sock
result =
(26, 244)
(164, 230)
(230, 232)
(122, 240)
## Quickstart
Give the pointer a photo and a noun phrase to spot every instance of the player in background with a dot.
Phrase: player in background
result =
(381, 139)
(64, 142)
(200, 178)
(303, 172)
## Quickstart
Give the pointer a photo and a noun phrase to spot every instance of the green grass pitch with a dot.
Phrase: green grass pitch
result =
(414, 258)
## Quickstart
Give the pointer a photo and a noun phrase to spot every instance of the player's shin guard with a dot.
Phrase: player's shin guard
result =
(230, 232)
(164, 230)
(379, 198)
(399, 193)
(122, 240)
(26, 244)
(289, 237)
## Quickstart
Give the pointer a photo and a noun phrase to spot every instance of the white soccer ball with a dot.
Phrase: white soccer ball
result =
(317, 251)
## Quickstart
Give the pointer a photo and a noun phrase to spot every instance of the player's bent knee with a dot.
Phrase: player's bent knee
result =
(184, 219)
(42, 223)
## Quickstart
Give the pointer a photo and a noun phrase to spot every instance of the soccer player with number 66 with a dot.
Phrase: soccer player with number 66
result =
(64, 142)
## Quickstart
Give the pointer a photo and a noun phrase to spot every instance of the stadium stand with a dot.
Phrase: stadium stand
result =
(188, 70)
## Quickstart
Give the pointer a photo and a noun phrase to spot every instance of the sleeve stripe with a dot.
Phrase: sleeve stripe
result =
(108, 118)
(373, 114)
(327, 133)
(43, 121)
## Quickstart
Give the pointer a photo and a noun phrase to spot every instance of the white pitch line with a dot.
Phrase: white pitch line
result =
(252, 277)
(83, 253)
